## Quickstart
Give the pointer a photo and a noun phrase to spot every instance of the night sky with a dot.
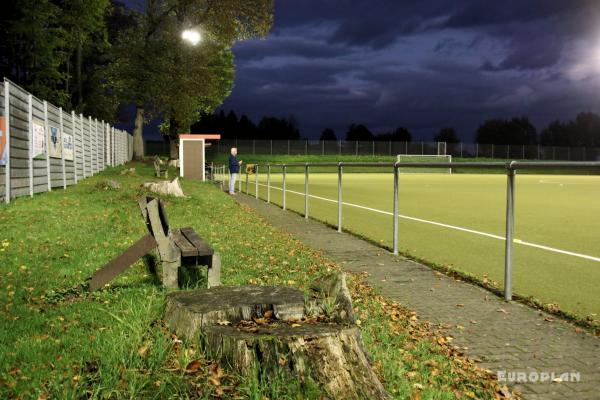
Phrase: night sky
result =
(421, 64)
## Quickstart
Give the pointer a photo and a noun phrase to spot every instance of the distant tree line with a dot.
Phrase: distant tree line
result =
(229, 126)
(583, 131)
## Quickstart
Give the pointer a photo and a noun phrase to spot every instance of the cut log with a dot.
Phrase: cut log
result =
(187, 312)
(331, 355)
(167, 188)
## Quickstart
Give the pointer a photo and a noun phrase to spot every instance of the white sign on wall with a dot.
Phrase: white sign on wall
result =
(38, 145)
(68, 146)
(54, 142)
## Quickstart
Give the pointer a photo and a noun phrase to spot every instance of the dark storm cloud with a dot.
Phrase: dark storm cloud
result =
(421, 64)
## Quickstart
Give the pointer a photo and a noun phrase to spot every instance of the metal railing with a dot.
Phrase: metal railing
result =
(510, 168)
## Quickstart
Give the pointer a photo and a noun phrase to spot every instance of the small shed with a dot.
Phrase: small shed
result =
(192, 154)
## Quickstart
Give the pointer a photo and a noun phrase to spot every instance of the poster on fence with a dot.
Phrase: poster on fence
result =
(39, 136)
(54, 143)
(3, 153)
(68, 146)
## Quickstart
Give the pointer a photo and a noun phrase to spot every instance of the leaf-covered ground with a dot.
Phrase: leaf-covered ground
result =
(59, 341)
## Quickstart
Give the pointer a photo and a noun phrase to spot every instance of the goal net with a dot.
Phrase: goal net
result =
(425, 158)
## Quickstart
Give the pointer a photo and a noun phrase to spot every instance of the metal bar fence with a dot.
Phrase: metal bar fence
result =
(29, 166)
(510, 168)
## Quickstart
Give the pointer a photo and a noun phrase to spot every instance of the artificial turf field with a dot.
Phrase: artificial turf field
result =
(557, 211)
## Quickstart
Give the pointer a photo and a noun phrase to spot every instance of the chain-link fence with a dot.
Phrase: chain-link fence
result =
(388, 148)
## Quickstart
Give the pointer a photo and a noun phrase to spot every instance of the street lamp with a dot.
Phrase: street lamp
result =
(192, 36)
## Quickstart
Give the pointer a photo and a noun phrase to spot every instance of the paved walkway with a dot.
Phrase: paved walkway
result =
(502, 336)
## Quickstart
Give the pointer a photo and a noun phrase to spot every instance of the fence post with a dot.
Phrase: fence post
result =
(492, 150)
(271, 146)
(373, 148)
(256, 181)
(62, 147)
(356, 142)
(82, 145)
(7, 133)
(283, 199)
(523, 153)
(476, 150)
(422, 148)
(253, 146)
(306, 191)
(30, 118)
(340, 147)
(395, 225)
(390, 148)
(288, 147)
(268, 183)
(322, 147)
(246, 182)
(306, 147)
(461, 150)
(47, 146)
(339, 228)
(239, 184)
(510, 227)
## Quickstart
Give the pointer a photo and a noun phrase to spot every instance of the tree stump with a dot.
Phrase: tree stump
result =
(266, 328)
(186, 313)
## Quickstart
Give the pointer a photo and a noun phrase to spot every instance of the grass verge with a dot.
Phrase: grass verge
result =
(59, 341)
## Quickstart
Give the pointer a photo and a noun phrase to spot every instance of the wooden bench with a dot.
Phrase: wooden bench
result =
(161, 168)
(176, 248)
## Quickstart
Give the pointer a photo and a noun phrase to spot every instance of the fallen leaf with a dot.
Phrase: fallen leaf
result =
(223, 322)
(192, 367)
(143, 350)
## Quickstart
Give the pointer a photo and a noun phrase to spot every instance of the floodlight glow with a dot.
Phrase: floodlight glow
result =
(192, 36)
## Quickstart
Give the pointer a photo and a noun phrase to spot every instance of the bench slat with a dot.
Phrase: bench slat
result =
(204, 248)
(187, 248)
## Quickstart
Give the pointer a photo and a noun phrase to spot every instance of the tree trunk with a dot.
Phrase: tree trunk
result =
(173, 148)
(138, 138)
(173, 139)
(79, 76)
(266, 329)
(331, 355)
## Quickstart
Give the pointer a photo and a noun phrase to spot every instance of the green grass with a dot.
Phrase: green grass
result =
(59, 341)
(562, 212)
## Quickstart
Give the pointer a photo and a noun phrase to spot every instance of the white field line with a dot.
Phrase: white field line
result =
(458, 228)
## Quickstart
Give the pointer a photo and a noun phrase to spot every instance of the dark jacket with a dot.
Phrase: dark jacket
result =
(234, 165)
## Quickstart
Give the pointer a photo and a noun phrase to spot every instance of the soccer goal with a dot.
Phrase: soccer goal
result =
(420, 158)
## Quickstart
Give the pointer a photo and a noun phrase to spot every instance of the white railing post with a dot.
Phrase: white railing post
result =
(306, 191)
(256, 181)
(510, 227)
(340, 203)
(268, 183)
(395, 213)
(283, 180)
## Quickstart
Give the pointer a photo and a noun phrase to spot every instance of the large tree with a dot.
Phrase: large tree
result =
(447, 135)
(328, 134)
(400, 134)
(516, 131)
(583, 131)
(359, 132)
(163, 75)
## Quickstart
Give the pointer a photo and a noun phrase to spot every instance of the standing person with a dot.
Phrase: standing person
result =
(234, 169)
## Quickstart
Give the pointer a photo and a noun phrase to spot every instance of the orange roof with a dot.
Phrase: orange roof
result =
(200, 136)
